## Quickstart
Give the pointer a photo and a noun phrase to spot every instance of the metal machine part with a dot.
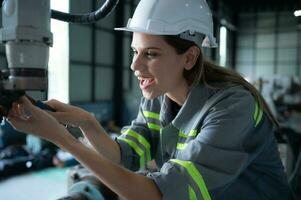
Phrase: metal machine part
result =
(83, 185)
(88, 18)
(25, 79)
(27, 37)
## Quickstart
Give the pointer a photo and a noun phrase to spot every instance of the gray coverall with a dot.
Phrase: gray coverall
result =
(220, 145)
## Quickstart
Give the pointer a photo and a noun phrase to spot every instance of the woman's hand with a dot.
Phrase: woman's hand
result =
(92, 130)
(25, 117)
(70, 115)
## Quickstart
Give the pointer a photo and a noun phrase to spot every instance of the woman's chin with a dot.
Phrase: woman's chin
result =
(150, 95)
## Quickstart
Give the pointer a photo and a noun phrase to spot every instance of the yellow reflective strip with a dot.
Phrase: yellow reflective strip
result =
(137, 149)
(181, 134)
(259, 117)
(181, 146)
(151, 115)
(256, 111)
(195, 175)
(192, 133)
(154, 126)
(192, 195)
(141, 140)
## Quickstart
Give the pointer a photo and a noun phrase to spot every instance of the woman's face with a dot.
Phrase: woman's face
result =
(158, 67)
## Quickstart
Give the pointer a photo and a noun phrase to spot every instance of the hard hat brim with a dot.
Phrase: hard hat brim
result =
(208, 41)
(139, 31)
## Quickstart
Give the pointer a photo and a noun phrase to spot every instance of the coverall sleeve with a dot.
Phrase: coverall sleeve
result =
(217, 155)
(136, 144)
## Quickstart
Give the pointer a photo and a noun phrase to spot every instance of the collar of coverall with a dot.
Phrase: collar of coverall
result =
(184, 120)
(189, 114)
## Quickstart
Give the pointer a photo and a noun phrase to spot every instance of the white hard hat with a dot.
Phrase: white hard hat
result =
(190, 19)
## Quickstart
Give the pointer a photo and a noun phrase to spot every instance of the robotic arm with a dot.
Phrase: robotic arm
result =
(27, 37)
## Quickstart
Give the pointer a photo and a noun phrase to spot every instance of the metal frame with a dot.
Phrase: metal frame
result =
(276, 47)
(254, 47)
(118, 96)
(298, 70)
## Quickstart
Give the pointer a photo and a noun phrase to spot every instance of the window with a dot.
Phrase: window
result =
(223, 46)
(58, 68)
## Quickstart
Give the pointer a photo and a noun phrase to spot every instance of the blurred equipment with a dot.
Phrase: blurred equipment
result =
(64, 159)
(17, 159)
(27, 37)
(83, 185)
(283, 95)
(9, 136)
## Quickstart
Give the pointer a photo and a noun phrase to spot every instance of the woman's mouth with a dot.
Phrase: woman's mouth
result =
(146, 82)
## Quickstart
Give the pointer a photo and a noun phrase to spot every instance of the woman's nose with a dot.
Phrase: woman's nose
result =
(137, 63)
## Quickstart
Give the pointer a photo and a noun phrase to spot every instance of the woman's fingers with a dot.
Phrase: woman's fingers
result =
(65, 114)
(61, 117)
(24, 108)
(21, 110)
(25, 102)
(56, 105)
(27, 118)
(13, 110)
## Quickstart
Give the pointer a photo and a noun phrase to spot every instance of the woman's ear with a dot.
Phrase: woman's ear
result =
(191, 57)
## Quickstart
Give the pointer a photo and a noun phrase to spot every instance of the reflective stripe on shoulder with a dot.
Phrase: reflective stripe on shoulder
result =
(185, 138)
(192, 195)
(191, 133)
(258, 113)
(194, 174)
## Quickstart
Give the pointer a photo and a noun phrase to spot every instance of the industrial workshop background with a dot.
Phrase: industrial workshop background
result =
(260, 39)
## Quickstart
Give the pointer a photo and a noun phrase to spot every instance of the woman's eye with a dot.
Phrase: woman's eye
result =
(151, 54)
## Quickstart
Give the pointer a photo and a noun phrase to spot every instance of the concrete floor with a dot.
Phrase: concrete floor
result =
(48, 184)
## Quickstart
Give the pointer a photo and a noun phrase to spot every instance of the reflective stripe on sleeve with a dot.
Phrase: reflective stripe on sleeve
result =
(151, 115)
(195, 175)
(142, 141)
(153, 121)
(192, 133)
(181, 134)
(181, 146)
(153, 126)
(137, 149)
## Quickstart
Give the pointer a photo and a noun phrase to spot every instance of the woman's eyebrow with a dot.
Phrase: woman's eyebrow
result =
(149, 48)
(153, 48)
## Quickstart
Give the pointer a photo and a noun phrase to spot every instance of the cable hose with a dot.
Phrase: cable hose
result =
(88, 18)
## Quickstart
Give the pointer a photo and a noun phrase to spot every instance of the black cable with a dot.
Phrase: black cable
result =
(88, 18)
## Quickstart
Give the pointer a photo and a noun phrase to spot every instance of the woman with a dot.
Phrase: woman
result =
(206, 131)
